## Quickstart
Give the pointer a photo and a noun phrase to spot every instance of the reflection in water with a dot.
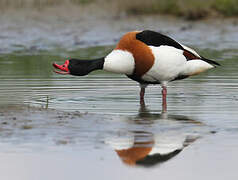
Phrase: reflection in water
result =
(144, 148)
(139, 150)
(145, 115)
(148, 152)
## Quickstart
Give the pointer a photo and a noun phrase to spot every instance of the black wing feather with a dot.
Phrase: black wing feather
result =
(152, 38)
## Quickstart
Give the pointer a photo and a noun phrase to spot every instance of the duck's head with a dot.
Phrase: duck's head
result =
(79, 67)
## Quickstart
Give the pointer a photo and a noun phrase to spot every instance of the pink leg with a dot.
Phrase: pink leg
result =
(164, 103)
(142, 94)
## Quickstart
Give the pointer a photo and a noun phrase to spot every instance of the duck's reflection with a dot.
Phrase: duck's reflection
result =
(143, 143)
(145, 115)
(144, 148)
(152, 151)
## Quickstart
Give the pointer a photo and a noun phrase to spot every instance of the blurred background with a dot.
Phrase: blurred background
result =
(189, 9)
(43, 24)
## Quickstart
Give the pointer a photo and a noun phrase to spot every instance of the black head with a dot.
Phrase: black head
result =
(79, 67)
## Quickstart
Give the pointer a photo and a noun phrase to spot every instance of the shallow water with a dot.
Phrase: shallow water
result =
(29, 80)
(74, 126)
(88, 121)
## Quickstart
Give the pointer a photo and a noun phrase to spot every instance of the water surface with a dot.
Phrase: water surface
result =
(76, 125)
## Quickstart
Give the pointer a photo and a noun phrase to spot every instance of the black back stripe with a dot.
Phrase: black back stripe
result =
(152, 38)
(210, 61)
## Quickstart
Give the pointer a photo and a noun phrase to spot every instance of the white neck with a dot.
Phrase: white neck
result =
(119, 61)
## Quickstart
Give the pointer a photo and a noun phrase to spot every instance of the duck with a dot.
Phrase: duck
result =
(147, 57)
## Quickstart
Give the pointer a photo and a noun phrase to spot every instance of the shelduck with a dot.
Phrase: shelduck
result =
(147, 57)
(147, 149)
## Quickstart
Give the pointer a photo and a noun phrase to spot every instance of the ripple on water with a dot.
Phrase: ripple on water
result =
(101, 111)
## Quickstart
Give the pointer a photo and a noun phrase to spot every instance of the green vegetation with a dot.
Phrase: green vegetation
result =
(81, 2)
(189, 9)
(227, 7)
